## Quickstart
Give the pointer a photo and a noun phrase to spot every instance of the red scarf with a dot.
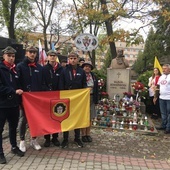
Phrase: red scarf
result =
(10, 66)
(156, 79)
(88, 77)
(55, 67)
(32, 64)
(74, 72)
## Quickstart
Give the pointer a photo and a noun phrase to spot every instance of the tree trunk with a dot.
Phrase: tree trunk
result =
(109, 28)
(11, 29)
(93, 58)
(45, 39)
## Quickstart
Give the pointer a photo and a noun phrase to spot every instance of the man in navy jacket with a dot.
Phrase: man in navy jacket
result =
(51, 73)
(9, 100)
(31, 79)
(72, 77)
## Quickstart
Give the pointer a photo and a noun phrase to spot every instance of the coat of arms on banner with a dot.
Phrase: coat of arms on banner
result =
(60, 109)
(86, 42)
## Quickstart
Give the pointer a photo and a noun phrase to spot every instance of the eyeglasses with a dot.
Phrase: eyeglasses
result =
(11, 55)
(32, 52)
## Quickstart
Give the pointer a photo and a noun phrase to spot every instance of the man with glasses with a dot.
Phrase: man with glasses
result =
(51, 73)
(31, 79)
(9, 100)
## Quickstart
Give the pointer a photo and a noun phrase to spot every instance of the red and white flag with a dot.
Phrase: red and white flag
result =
(42, 54)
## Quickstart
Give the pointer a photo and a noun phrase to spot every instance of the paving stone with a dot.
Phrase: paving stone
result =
(109, 150)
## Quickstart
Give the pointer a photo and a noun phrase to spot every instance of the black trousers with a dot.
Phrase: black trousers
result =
(155, 107)
(54, 136)
(12, 116)
(22, 125)
(76, 131)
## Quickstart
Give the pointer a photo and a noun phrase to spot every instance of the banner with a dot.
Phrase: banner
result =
(56, 111)
(157, 65)
(86, 42)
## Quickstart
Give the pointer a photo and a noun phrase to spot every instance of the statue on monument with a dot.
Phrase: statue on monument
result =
(119, 62)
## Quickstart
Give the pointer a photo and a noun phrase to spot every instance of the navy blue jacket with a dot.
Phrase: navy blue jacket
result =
(95, 89)
(31, 78)
(9, 83)
(52, 77)
(68, 81)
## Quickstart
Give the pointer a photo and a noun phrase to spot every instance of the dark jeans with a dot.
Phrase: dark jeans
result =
(54, 135)
(165, 113)
(22, 126)
(76, 131)
(12, 116)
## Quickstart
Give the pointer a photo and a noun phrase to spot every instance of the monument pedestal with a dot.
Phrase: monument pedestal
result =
(118, 82)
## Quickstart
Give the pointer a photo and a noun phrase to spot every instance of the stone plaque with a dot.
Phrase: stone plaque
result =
(118, 82)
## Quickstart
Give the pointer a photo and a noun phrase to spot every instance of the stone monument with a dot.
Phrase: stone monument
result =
(119, 62)
(118, 76)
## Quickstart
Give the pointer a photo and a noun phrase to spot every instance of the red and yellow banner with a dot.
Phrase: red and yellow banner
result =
(56, 111)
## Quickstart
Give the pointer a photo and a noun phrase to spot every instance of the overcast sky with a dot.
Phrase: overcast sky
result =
(126, 25)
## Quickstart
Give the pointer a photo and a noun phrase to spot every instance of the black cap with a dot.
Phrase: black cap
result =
(73, 54)
(63, 61)
(52, 52)
(32, 49)
(87, 63)
(9, 50)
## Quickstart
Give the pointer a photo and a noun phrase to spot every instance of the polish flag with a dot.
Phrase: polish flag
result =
(42, 54)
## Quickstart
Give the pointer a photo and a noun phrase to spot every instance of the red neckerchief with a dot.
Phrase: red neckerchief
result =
(156, 79)
(55, 67)
(88, 77)
(10, 66)
(32, 64)
(74, 72)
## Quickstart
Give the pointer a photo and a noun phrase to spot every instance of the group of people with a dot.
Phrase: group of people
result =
(29, 76)
(159, 92)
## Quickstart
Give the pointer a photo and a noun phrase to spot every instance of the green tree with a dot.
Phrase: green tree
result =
(157, 42)
(42, 13)
(139, 63)
(9, 15)
(113, 11)
(87, 17)
(105, 15)
(14, 15)
(162, 26)
(153, 47)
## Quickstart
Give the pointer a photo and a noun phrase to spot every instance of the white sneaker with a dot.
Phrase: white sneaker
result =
(22, 146)
(35, 144)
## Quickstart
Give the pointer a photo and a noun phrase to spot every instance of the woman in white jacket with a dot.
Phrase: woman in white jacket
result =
(153, 80)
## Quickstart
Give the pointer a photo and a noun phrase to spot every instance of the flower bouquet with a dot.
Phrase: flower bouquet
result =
(128, 95)
(139, 88)
(104, 94)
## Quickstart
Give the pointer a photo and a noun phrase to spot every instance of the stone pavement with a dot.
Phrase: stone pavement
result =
(110, 150)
